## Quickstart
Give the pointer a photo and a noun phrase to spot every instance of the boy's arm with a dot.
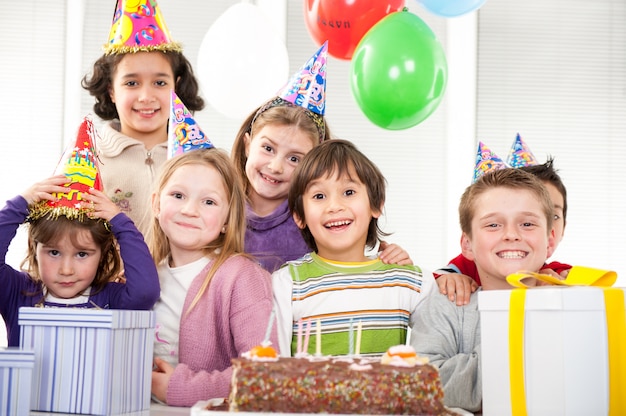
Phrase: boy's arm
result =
(282, 292)
(449, 336)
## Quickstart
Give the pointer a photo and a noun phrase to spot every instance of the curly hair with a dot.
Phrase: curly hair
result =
(99, 83)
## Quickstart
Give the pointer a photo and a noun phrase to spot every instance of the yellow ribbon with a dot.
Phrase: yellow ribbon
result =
(616, 329)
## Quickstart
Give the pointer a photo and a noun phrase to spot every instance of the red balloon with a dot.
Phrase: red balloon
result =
(344, 22)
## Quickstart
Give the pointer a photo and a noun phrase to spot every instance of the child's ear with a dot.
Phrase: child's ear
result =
(247, 139)
(551, 242)
(466, 247)
(379, 212)
(301, 224)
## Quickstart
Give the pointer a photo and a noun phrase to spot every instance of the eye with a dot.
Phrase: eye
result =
(528, 224)
(54, 253)
(267, 148)
(177, 195)
(294, 159)
(131, 83)
(350, 192)
(318, 196)
(161, 83)
(209, 202)
(82, 254)
(557, 217)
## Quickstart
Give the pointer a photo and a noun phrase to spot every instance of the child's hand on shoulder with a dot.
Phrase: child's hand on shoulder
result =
(102, 206)
(552, 273)
(457, 286)
(42, 191)
(393, 254)
(161, 378)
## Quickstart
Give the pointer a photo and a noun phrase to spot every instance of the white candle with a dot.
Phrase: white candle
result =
(359, 328)
(318, 339)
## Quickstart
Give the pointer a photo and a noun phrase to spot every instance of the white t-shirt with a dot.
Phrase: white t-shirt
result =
(175, 282)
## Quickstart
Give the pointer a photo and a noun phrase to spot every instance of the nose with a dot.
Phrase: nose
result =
(66, 267)
(276, 165)
(189, 208)
(333, 203)
(511, 232)
(146, 94)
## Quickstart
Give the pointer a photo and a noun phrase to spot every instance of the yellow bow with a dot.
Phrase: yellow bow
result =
(578, 276)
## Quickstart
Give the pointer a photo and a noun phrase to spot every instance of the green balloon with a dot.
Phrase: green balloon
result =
(398, 72)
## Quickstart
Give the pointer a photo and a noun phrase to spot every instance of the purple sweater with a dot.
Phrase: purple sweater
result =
(275, 239)
(229, 319)
(140, 292)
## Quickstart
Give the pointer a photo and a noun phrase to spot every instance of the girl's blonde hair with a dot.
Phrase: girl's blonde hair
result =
(50, 228)
(281, 115)
(226, 244)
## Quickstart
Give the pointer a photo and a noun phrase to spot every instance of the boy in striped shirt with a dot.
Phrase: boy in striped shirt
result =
(336, 197)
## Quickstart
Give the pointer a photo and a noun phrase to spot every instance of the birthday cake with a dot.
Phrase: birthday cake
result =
(400, 383)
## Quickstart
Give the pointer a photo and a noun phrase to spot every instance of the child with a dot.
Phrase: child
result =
(460, 277)
(216, 302)
(337, 196)
(72, 239)
(131, 83)
(269, 145)
(506, 219)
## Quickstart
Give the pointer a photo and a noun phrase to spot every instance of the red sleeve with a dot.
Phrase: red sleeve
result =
(461, 264)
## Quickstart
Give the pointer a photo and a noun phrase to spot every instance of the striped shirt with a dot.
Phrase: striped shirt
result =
(380, 298)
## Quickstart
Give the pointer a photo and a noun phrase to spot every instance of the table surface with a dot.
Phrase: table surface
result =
(155, 410)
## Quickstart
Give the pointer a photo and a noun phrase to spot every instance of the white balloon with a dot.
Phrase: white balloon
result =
(242, 62)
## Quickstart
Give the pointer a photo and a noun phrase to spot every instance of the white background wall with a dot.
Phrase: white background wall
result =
(552, 71)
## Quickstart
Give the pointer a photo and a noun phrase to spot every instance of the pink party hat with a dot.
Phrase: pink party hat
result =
(520, 154)
(307, 87)
(184, 134)
(138, 26)
(79, 162)
(486, 160)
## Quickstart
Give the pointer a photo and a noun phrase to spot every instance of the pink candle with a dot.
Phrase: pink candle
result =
(307, 333)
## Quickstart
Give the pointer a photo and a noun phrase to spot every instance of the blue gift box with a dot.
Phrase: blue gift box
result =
(89, 361)
(16, 373)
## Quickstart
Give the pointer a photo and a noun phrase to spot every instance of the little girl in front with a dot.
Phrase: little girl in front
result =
(216, 302)
(73, 234)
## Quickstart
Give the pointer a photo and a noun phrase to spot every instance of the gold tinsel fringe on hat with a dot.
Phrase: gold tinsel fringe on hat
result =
(122, 49)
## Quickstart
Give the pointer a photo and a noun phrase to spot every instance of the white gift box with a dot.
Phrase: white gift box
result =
(89, 361)
(16, 373)
(565, 351)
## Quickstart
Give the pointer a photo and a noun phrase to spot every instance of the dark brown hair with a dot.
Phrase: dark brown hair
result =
(338, 157)
(99, 83)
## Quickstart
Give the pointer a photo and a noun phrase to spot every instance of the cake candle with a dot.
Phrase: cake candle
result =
(318, 338)
(307, 333)
(268, 331)
(359, 328)
(351, 338)
(299, 338)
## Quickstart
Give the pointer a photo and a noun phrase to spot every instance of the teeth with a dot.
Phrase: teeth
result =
(269, 179)
(512, 254)
(147, 112)
(338, 223)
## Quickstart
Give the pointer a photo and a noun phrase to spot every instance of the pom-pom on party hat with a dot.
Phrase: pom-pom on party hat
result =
(486, 160)
(307, 87)
(79, 163)
(138, 26)
(184, 134)
(520, 154)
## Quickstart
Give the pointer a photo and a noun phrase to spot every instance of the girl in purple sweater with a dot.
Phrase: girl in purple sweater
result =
(215, 301)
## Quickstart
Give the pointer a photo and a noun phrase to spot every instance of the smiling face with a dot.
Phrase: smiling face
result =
(68, 266)
(140, 89)
(338, 213)
(272, 155)
(192, 209)
(509, 233)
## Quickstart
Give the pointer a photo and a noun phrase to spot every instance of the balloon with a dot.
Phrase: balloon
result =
(398, 72)
(344, 22)
(451, 8)
(242, 61)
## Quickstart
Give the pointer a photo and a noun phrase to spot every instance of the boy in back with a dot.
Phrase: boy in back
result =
(506, 221)
(336, 197)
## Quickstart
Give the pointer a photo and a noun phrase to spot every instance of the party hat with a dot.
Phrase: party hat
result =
(307, 87)
(184, 134)
(520, 154)
(486, 160)
(79, 163)
(138, 26)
